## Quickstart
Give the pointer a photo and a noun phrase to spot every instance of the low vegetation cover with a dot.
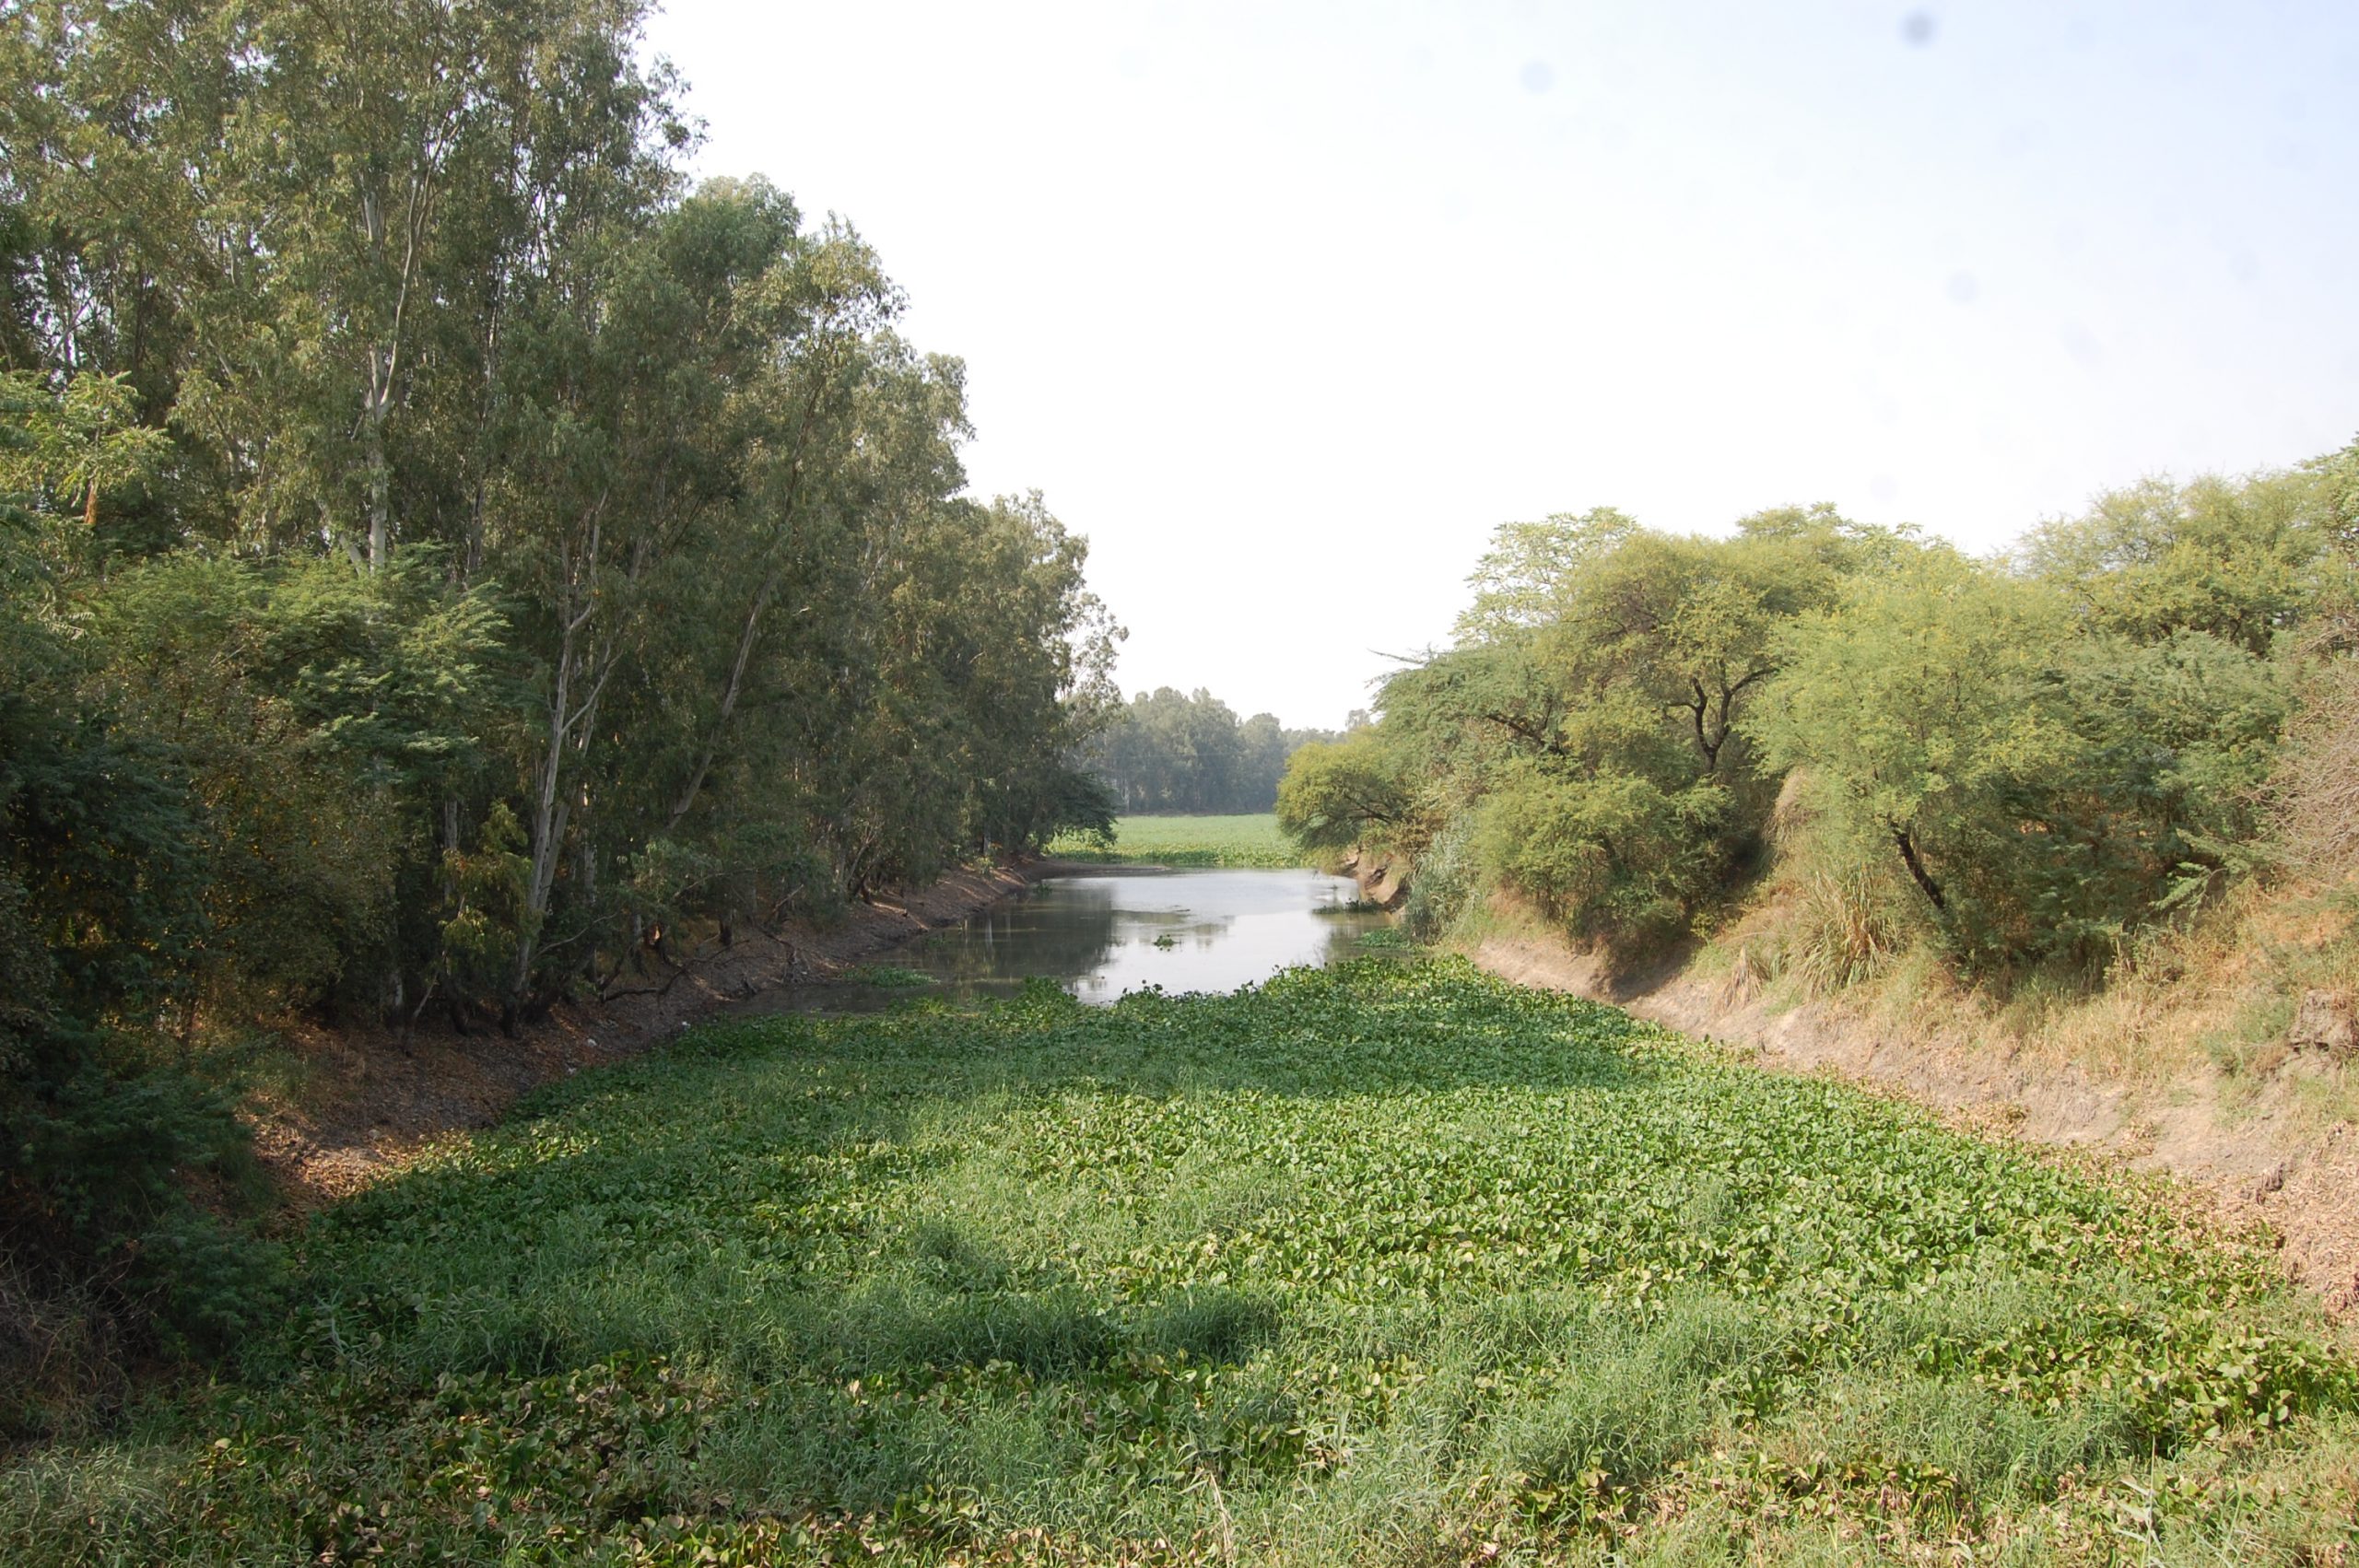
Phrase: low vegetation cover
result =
(1249, 841)
(892, 977)
(1383, 1264)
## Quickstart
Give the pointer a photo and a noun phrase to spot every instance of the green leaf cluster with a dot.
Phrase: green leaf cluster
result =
(1237, 1273)
(1169, 752)
(450, 561)
(2018, 760)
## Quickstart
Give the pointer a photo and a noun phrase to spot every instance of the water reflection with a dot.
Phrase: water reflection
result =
(1102, 933)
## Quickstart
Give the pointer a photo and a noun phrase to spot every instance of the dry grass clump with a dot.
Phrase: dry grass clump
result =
(1826, 923)
(63, 1366)
(1839, 932)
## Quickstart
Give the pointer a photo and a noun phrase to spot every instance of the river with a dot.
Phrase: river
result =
(1102, 932)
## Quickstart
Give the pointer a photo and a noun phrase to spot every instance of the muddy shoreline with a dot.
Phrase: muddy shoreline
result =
(366, 1102)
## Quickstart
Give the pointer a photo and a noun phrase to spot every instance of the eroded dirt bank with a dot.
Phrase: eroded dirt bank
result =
(2257, 1156)
(367, 1101)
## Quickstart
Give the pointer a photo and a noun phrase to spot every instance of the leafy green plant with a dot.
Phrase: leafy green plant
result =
(1361, 1260)
(890, 976)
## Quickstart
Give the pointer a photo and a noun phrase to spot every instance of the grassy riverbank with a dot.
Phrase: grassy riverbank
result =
(1247, 841)
(1376, 1265)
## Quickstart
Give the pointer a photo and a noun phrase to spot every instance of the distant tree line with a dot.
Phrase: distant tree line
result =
(1166, 752)
(444, 557)
(2018, 763)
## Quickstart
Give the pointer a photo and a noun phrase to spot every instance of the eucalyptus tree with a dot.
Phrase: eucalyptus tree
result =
(1166, 750)
(297, 225)
(606, 435)
(816, 313)
(437, 547)
(1031, 671)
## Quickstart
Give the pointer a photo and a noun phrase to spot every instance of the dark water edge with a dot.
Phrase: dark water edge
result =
(1101, 932)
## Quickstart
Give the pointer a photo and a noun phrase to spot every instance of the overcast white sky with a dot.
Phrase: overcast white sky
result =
(1285, 306)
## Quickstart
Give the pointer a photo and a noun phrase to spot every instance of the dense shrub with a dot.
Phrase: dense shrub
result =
(2022, 760)
(1610, 854)
(2045, 787)
(127, 1183)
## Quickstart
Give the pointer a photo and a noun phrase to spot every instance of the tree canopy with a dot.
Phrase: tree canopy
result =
(446, 555)
(1170, 752)
(2024, 758)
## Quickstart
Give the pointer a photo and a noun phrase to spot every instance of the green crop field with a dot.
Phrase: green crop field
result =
(1384, 1264)
(1235, 841)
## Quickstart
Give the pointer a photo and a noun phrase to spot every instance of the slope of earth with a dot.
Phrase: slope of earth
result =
(359, 1103)
(1385, 1264)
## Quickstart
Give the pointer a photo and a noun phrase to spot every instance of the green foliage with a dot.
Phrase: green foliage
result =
(2240, 561)
(1336, 793)
(1587, 731)
(1252, 839)
(1170, 753)
(1518, 581)
(2045, 788)
(2040, 755)
(1365, 1263)
(111, 1153)
(319, 712)
(446, 560)
(106, 1143)
(63, 451)
(479, 942)
(1608, 853)
(487, 475)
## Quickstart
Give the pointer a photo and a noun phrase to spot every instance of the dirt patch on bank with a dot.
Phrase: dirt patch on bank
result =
(1383, 879)
(368, 1100)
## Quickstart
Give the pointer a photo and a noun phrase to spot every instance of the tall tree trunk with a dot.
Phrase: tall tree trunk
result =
(373, 429)
(749, 634)
(549, 806)
(569, 726)
(1917, 871)
(384, 359)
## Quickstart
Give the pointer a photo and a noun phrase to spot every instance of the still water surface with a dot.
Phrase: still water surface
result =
(1101, 933)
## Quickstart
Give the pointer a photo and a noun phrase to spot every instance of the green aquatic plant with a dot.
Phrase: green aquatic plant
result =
(890, 976)
(1383, 1263)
